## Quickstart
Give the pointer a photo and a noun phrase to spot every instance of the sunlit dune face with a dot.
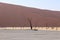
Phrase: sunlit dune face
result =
(38, 28)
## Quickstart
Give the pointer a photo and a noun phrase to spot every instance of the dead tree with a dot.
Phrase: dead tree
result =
(29, 20)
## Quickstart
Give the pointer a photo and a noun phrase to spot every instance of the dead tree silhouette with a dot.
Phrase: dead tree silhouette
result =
(29, 20)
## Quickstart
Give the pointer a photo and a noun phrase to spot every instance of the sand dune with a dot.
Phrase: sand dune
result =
(19, 16)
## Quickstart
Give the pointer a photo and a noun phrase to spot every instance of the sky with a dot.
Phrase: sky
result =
(41, 4)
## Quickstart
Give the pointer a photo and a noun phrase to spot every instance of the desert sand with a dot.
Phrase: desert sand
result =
(19, 16)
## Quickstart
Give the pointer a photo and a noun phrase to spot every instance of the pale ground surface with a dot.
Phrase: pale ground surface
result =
(29, 35)
(39, 28)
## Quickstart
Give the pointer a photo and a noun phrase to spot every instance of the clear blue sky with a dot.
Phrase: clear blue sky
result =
(42, 4)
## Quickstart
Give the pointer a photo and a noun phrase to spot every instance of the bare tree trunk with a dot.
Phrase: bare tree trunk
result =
(30, 23)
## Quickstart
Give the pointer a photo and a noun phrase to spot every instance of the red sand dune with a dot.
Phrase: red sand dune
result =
(19, 16)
